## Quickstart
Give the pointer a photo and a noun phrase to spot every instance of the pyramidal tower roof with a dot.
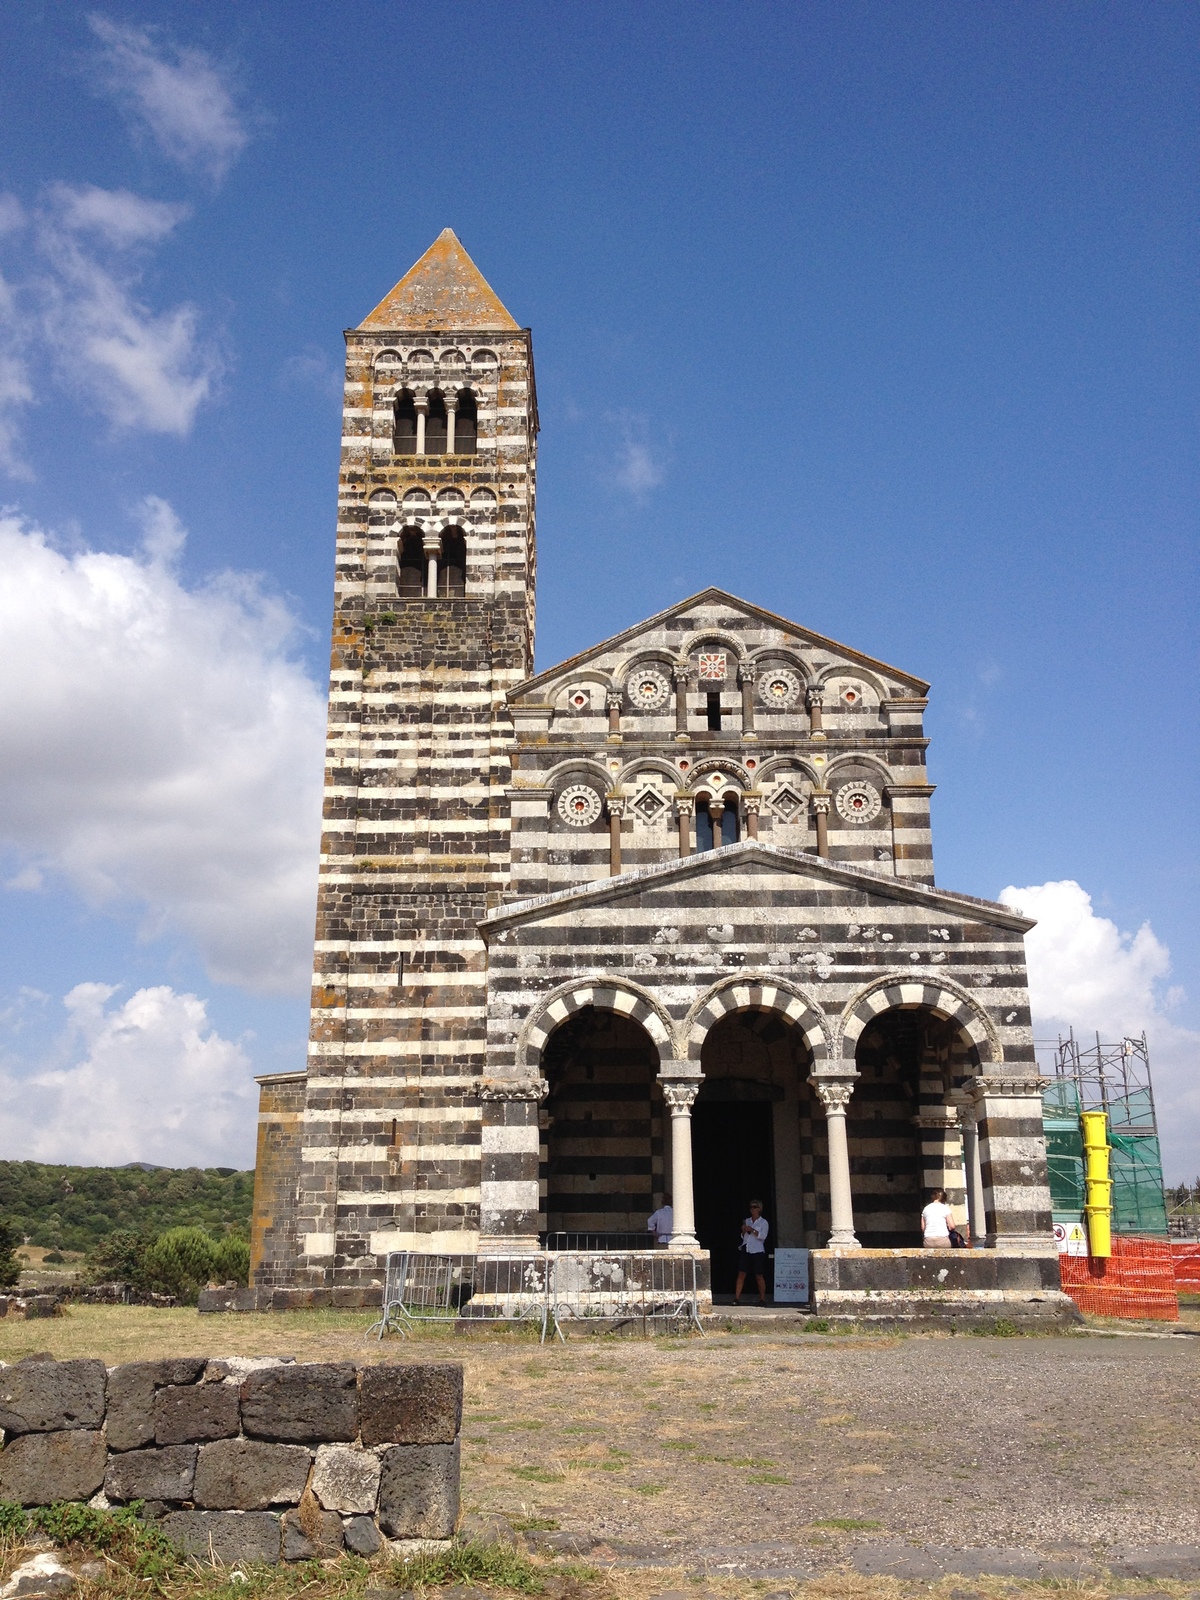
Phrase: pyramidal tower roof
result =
(444, 290)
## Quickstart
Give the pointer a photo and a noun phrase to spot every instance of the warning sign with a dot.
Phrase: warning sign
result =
(1071, 1238)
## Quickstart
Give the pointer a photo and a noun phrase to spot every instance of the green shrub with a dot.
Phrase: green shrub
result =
(231, 1259)
(10, 1267)
(13, 1521)
(179, 1262)
(118, 1258)
(144, 1549)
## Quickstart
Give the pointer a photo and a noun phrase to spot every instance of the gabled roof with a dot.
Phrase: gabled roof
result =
(710, 863)
(445, 289)
(722, 596)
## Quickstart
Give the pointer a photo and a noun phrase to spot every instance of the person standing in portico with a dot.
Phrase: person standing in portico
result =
(661, 1223)
(752, 1253)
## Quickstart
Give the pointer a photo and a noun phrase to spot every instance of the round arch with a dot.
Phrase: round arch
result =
(943, 998)
(754, 992)
(703, 636)
(622, 997)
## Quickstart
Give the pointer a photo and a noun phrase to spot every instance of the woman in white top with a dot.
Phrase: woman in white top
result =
(936, 1222)
(752, 1255)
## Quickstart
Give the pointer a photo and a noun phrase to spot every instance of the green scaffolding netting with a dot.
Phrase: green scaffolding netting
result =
(1135, 1160)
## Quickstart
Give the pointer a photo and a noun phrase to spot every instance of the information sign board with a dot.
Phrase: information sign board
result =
(791, 1277)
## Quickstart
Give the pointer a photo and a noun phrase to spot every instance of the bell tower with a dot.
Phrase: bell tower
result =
(433, 624)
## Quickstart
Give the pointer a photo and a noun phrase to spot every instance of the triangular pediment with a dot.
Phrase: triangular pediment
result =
(791, 634)
(444, 289)
(770, 862)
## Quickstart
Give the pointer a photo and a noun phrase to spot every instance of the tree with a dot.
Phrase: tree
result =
(10, 1267)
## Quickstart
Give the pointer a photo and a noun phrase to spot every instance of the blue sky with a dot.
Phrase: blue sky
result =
(882, 316)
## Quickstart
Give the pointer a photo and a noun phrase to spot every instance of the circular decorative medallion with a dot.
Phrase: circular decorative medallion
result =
(648, 689)
(779, 688)
(858, 802)
(851, 694)
(579, 805)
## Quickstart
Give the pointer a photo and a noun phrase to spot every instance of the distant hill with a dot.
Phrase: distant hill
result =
(72, 1208)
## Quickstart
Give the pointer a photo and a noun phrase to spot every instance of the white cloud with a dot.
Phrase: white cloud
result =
(146, 1080)
(163, 748)
(638, 468)
(1085, 973)
(143, 369)
(175, 92)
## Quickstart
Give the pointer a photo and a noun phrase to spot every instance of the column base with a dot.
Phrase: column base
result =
(685, 1244)
(843, 1240)
(510, 1244)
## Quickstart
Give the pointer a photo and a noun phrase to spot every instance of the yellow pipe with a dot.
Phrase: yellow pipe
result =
(1099, 1184)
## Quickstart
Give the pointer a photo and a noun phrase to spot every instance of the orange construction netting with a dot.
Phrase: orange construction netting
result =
(1186, 1254)
(1137, 1280)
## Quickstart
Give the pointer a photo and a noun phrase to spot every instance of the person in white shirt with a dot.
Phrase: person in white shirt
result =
(752, 1254)
(936, 1222)
(662, 1222)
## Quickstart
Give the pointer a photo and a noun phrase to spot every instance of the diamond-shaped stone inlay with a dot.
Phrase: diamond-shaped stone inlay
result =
(649, 804)
(786, 803)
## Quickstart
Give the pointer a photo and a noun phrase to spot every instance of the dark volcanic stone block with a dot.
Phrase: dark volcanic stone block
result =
(46, 1396)
(311, 1534)
(414, 1403)
(314, 1403)
(362, 1536)
(130, 1391)
(248, 1475)
(40, 1468)
(229, 1536)
(418, 1491)
(196, 1413)
(152, 1474)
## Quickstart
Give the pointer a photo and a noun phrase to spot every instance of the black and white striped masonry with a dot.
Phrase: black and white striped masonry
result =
(579, 933)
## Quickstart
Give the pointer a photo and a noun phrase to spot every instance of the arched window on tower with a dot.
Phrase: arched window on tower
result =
(704, 827)
(452, 570)
(466, 424)
(412, 564)
(435, 425)
(730, 819)
(727, 830)
(406, 424)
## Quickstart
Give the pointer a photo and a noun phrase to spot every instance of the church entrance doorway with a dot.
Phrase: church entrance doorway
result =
(733, 1159)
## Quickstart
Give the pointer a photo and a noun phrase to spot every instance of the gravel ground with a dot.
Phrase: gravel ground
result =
(671, 1446)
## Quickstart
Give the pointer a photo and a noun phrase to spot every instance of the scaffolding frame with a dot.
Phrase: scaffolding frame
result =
(1113, 1078)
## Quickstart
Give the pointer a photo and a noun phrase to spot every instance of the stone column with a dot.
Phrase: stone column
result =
(616, 810)
(431, 544)
(613, 702)
(820, 803)
(753, 801)
(972, 1173)
(680, 674)
(835, 1095)
(683, 810)
(747, 673)
(816, 700)
(716, 810)
(509, 1198)
(422, 404)
(680, 1094)
(451, 413)
(1012, 1160)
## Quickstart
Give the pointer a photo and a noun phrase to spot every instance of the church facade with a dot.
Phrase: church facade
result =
(660, 919)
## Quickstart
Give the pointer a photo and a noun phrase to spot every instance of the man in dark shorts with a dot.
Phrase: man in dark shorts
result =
(752, 1254)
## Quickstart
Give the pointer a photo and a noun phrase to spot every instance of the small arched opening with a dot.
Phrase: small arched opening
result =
(466, 424)
(902, 1128)
(405, 429)
(452, 569)
(435, 424)
(411, 577)
(603, 1158)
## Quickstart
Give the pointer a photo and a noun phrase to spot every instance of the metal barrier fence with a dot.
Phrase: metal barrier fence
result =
(653, 1288)
(605, 1242)
(422, 1289)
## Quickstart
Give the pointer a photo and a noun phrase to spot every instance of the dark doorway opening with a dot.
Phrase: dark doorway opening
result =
(733, 1159)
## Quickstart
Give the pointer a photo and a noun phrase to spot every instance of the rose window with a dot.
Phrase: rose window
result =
(858, 802)
(579, 806)
(779, 689)
(649, 690)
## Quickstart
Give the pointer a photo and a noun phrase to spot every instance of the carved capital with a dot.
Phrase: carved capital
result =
(680, 1095)
(936, 1117)
(431, 544)
(535, 1089)
(821, 801)
(1007, 1086)
(747, 671)
(680, 672)
(752, 802)
(615, 804)
(613, 701)
(834, 1094)
(814, 697)
(684, 805)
